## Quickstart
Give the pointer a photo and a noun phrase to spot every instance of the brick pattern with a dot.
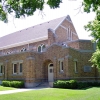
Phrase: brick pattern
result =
(35, 64)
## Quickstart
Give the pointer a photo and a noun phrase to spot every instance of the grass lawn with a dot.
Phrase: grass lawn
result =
(6, 88)
(55, 94)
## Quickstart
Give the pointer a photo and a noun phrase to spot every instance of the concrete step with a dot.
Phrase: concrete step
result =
(44, 84)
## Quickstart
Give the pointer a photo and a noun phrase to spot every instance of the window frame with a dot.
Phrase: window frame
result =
(75, 67)
(19, 68)
(61, 65)
(41, 47)
(14, 68)
(1, 69)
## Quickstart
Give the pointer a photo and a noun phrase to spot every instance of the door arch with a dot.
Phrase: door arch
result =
(50, 72)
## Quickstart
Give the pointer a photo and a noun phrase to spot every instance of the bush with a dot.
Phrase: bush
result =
(15, 84)
(81, 85)
(6, 83)
(71, 84)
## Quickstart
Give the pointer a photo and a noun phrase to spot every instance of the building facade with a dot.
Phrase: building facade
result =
(46, 52)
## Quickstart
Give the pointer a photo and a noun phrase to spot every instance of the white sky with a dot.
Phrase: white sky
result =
(66, 8)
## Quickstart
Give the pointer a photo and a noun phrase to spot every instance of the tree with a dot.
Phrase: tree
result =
(94, 28)
(24, 7)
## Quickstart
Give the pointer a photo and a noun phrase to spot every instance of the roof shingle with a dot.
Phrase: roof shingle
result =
(30, 33)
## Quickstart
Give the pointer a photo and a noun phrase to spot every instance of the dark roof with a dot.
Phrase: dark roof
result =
(30, 33)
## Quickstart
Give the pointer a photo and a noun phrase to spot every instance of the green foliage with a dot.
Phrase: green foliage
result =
(91, 5)
(94, 28)
(82, 85)
(71, 84)
(24, 7)
(15, 84)
(95, 59)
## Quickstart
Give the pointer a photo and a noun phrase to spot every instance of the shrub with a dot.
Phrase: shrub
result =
(6, 83)
(71, 84)
(16, 84)
(81, 85)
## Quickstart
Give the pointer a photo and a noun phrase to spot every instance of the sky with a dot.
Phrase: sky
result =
(68, 7)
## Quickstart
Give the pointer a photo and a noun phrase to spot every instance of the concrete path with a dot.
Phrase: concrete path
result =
(19, 90)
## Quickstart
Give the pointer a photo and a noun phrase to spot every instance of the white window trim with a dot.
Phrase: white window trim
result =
(19, 67)
(61, 69)
(13, 69)
(60, 65)
(71, 36)
(38, 47)
(2, 70)
(41, 47)
(75, 66)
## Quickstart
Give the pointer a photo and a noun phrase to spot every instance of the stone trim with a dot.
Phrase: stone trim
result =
(15, 78)
(75, 59)
(17, 61)
(1, 63)
(60, 23)
(82, 50)
(75, 78)
(86, 51)
(60, 59)
(68, 56)
(30, 58)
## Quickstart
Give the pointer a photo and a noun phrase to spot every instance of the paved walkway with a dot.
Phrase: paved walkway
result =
(19, 90)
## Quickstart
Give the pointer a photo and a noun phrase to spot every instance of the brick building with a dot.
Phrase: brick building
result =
(46, 52)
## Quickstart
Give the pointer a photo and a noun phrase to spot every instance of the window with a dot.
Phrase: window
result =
(68, 34)
(1, 69)
(41, 48)
(71, 35)
(9, 52)
(20, 67)
(61, 67)
(23, 49)
(14, 68)
(75, 65)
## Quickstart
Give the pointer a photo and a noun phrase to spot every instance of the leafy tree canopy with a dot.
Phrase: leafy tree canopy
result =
(28, 7)
(94, 28)
(91, 5)
(24, 7)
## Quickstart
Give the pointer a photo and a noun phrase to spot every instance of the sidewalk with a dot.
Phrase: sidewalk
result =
(19, 90)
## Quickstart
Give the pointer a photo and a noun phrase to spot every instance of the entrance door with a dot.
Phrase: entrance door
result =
(50, 73)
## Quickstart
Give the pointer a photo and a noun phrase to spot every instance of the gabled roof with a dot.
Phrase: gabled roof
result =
(32, 33)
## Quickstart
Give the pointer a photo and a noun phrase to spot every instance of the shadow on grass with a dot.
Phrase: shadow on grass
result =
(86, 88)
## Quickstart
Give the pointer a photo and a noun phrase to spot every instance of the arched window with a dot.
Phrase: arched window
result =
(23, 49)
(41, 48)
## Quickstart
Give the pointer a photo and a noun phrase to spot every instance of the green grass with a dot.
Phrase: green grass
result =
(55, 94)
(6, 88)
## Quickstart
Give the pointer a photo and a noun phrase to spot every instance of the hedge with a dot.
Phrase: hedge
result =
(15, 84)
(73, 84)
